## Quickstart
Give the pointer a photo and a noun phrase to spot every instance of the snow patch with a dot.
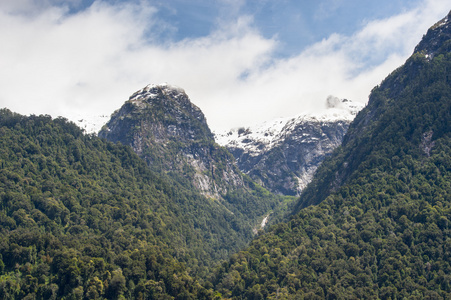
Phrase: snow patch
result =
(151, 91)
(443, 22)
(91, 124)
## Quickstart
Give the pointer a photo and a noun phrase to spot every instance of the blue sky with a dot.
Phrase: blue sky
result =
(240, 61)
(296, 24)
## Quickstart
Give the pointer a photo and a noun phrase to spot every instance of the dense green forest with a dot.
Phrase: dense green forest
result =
(83, 217)
(381, 229)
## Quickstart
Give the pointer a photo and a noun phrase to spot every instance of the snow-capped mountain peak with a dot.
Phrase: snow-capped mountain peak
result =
(264, 136)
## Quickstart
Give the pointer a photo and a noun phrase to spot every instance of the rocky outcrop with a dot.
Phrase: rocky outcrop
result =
(163, 127)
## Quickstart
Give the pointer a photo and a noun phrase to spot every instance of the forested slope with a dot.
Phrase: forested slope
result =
(381, 226)
(84, 218)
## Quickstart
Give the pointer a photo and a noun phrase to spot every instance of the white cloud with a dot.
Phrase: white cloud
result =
(346, 66)
(54, 63)
(90, 62)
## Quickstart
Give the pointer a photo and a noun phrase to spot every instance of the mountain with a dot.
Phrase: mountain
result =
(154, 214)
(374, 223)
(171, 134)
(282, 155)
(163, 127)
(85, 218)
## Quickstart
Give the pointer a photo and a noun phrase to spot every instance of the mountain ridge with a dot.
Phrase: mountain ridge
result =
(384, 94)
(374, 221)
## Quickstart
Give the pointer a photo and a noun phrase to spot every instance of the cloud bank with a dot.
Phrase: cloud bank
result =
(89, 62)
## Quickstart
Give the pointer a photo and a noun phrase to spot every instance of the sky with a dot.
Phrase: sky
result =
(241, 61)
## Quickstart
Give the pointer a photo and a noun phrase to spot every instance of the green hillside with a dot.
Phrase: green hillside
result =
(381, 226)
(82, 217)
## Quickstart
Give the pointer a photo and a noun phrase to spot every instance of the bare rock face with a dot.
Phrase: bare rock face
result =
(282, 155)
(163, 127)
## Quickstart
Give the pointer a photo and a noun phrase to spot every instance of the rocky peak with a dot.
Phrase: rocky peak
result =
(163, 127)
(169, 95)
(256, 139)
(161, 112)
